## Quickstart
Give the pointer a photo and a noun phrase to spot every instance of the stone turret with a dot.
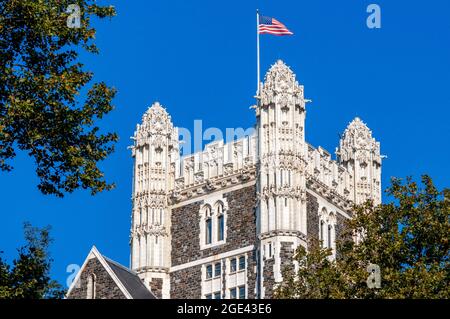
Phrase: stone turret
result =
(359, 153)
(281, 184)
(155, 148)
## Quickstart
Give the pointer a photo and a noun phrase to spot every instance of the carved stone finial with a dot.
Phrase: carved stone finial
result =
(280, 81)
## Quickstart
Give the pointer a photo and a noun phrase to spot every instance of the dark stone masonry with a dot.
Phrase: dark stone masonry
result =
(268, 275)
(185, 231)
(241, 232)
(340, 229)
(251, 273)
(105, 286)
(312, 217)
(186, 283)
(286, 255)
(156, 286)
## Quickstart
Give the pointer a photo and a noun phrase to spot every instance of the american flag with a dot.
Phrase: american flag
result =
(268, 25)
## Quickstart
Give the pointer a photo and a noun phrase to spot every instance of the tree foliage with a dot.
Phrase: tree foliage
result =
(407, 238)
(41, 84)
(28, 278)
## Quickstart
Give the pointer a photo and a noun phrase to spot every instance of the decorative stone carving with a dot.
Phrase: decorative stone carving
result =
(277, 159)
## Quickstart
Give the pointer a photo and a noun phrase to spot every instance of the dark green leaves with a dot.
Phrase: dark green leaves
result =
(41, 109)
(408, 239)
(28, 278)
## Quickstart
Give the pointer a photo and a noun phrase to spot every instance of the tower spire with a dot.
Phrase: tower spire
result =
(155, 143)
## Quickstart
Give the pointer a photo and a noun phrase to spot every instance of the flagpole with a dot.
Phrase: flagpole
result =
(257, 55)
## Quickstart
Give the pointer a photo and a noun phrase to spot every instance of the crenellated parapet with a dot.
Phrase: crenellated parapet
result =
(218, 166)
(326, 176)
(271, 186)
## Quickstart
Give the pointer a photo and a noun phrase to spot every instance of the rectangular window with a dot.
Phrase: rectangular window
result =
(217, 295)
(233, 293)
(221, 228)
(242, 292)
(208, 271)
(217, 269)
(208, 231)
(241, 262)
(208, 296)
(233, 265)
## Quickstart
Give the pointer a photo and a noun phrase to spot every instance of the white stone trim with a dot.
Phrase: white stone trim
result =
(211, 259)
(237, 278)
(325, 203)
(214, 193)
(212, 202)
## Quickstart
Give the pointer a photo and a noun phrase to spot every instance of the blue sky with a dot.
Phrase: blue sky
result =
(198, 59)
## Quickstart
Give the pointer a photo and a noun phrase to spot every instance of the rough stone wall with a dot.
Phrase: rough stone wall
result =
(312, 217)
(286, 255)
(286, 261)
(186, 283)
(185, 232)
(340, 229)
(268, 277)
(241, 232)
(251, 274)
(105, 287)
(156, 287)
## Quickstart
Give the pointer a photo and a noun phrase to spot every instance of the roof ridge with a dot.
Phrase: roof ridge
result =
(119, 265)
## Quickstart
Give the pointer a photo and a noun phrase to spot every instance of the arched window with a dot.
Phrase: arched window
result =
(213, 221)
(329, 236)
(91, 287)
(332, 232)
(208, 225)
(321, 232)
(322, 227)
(220, 222)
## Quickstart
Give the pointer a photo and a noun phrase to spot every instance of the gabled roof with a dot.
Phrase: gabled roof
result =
(130, 280)
(126, 280)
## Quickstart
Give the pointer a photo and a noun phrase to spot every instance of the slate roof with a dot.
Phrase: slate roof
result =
(125, 279)
(130, 280)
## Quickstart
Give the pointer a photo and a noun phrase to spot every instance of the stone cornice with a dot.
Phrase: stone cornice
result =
(330, 194)
(275, 233)
(142, 270)
(203, 187)
(152, 230)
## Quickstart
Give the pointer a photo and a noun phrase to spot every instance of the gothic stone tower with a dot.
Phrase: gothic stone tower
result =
(359, 153)
(155, 145)
(281, 184)
(225, 221)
